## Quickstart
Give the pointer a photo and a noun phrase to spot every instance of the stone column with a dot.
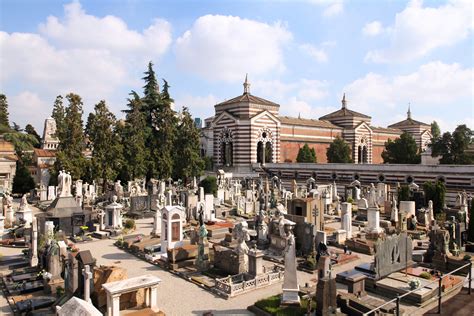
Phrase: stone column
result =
(9, 217)
(113, 305)
(2, 226)
(154, 298)
(101, 220)
(86, 272)
(34, 244)
(169, 197)
(346, 218)
(157, 224)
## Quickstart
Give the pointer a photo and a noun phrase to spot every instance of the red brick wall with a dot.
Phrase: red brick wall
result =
(289, 151)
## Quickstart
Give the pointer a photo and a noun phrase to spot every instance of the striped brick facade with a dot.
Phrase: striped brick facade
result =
(247, 124)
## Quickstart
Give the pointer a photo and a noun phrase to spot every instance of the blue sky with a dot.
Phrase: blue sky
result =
(300, 54)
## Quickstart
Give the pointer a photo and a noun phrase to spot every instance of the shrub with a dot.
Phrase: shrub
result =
(466, 257)
(129, 224)
(210, 185)
(425, 275)
(350, 200)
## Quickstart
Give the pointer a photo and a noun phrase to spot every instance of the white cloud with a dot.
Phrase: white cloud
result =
(432, 86)
(79, 30)
(419, 30)
(316, 53)
(24, 104)
(331, 7)
(372, 29)
(299, 97)
(226, 47)
(80, 53)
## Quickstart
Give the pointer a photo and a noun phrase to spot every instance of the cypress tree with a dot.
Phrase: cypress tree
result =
(4, 121)
(133, 134)
(306, 154)
(339, 151)
(187, 147)
(106, 147)
(71, 144)
(59, 114)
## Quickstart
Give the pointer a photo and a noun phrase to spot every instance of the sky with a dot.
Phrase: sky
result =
(384, 55)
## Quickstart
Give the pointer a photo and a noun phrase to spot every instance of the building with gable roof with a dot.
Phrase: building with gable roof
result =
(248, 129)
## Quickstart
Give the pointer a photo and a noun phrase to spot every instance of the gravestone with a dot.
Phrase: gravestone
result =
(325, 288)
(346, 218)
(392, 254)
(290, 281)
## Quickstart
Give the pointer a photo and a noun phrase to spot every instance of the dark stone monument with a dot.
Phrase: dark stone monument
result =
(326, 288)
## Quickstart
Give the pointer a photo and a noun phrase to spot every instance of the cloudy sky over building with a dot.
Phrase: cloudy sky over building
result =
(300, 54)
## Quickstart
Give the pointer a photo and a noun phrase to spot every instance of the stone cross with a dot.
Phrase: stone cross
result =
(86, 272)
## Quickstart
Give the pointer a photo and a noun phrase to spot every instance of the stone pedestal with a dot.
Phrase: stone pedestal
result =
(320, 237)
(290, 282)
(255, 262)
(373, 218)
(156, 224)
(407, 207)
(340, 236)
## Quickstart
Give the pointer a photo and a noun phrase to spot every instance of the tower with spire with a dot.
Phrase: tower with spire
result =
(343, 101)
(409, 112)
(246, 85)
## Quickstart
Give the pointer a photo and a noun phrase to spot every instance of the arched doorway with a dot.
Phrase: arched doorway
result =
(226, 148)
(264, 146)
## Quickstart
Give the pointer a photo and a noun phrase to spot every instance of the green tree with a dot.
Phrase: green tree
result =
(209, 184)
(435, 192)
(306, 154)
(187, 147)
(435, 130)
(30, 130)
(59, 116)
(403, 193)
(401, 151)
(453, 147)
(22, 182)
(133, 135)
(71, 143)
(161, 121)
(470, 230)
(106, 147)
(339, 151)
(4, 121)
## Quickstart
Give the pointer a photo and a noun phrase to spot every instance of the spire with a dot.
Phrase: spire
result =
(408, 112)
(343, 101)
(246, 85)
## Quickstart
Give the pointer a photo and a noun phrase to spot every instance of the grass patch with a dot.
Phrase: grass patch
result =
(272, 305)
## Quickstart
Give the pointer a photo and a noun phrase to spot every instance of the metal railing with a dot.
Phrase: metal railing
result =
(440, 291)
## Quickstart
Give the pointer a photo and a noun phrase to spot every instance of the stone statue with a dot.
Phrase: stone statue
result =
(394, 213)
(430, 209)
(241, 234)
(281, 226)
(23, 202)
(372, 197)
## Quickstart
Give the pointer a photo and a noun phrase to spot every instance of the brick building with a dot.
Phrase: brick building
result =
(248, 129)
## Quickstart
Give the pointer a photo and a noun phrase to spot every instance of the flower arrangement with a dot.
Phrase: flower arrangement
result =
(414, 283)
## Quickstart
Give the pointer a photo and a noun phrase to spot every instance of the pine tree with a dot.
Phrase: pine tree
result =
(339, 151)
(30, 130)
(4, 121)
(188, 161)
(106, 148)
(71, 144)
(133, 135)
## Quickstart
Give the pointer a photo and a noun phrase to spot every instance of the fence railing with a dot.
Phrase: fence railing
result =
(440, 291)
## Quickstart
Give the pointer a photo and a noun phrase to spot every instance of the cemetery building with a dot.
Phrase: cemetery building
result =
(248, 129)
(8, 160)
